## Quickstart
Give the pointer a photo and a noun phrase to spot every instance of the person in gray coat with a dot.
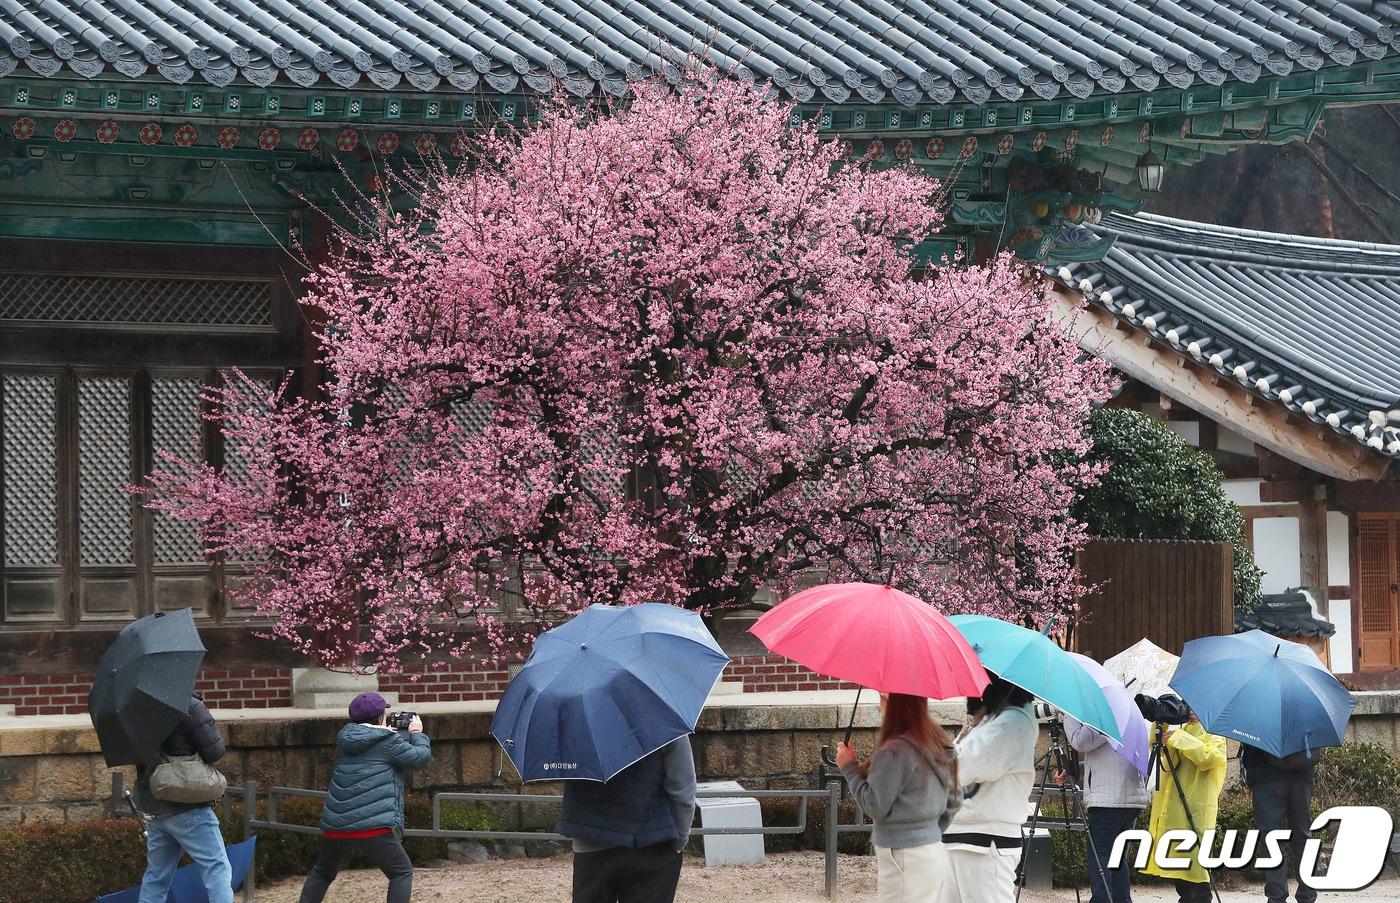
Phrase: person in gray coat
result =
(364, 806)
(909, 788)
(1114, 795)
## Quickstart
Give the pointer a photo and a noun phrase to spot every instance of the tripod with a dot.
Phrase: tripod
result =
(1161, 760)
(1056, 760)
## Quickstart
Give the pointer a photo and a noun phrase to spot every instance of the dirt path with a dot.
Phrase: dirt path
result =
(784, 878)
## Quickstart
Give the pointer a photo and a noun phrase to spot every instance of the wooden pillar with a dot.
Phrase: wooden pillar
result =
(1312, 548)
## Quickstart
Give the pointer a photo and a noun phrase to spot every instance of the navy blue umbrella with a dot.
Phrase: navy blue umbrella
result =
(1264, 691)
(605, 690)
(143, 684)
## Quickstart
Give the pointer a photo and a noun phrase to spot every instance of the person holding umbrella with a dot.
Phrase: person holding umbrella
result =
(1114, 789)
(146, 713)
(909, 788)
(996, 756)
(607, 703)
(1283, 704)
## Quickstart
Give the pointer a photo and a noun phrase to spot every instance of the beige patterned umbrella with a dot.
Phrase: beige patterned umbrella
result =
(1144, 667)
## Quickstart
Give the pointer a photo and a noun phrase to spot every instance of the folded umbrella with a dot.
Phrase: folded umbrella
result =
(874, 636)
(1271, 693)
(1132, 727)
(1143, 667)
(1033, 662)
(606, 689)
(143, 684)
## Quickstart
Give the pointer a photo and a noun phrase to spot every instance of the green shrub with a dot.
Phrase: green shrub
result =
(69, 863)
(1159, 487)
(78, 861)
(1358, 774)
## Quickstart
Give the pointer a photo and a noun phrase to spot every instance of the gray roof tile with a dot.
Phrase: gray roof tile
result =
(902, 51)
(1309, 323)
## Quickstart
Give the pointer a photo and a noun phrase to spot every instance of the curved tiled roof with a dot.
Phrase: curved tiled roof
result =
(903, 51)
(1287, 614)
(1312, 324)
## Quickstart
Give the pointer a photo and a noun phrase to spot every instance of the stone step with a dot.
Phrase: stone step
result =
(728, 688)
(7, 711)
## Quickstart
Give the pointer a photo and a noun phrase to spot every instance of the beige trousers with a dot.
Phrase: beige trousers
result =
(910, 875)
(980, 875)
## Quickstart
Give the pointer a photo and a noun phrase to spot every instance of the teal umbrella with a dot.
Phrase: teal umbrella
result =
(1033, 662)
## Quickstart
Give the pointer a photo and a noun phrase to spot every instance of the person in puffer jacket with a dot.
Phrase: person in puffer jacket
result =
(1114, 794)
(189, 827)
(364, 806)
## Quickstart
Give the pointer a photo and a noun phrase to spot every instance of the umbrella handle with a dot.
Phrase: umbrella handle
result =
(850, 725)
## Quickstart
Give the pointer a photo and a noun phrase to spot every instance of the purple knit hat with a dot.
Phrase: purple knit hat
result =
(367, 707)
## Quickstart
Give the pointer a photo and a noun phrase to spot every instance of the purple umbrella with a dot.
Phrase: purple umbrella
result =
(1131, 725)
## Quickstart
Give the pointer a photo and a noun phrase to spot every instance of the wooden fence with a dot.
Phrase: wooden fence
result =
(1168, 591)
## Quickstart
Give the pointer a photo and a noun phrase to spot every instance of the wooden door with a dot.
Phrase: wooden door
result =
(1378, 591)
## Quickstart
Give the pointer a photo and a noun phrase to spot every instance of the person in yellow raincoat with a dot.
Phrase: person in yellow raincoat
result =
(1198, 758)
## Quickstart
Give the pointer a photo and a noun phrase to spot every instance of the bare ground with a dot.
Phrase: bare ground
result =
(783, 878)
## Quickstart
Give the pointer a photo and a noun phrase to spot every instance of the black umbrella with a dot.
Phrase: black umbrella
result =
(143, 686)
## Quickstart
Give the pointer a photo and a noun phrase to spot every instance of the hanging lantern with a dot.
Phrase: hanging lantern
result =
(1150, 172)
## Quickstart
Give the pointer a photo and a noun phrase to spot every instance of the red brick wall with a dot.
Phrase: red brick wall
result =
(773, 673)
(66, 694)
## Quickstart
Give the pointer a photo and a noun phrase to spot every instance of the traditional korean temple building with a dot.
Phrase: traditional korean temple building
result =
(1279, 356)
(162, 163)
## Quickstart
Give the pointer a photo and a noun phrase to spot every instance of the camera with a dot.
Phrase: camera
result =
(1044, 711)
(400, 721)
(1168, 709)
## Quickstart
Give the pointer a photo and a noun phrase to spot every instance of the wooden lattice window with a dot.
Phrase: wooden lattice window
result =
(1378, 590)
(70, 299)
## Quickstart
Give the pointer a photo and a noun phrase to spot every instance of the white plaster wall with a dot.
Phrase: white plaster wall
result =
(1242, 492)
(1231, 441)
(1189, 430)
(1339, 574)
(1276, 552)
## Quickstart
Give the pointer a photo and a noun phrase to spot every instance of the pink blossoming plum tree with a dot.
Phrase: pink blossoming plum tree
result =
(676, 352)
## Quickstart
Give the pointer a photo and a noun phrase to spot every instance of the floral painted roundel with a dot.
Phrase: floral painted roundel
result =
(24, 128)
(388, 143)
(269, 139)
(426, 143)
(228, 137)
(108, 132)
(66, 130)
(150, 133)
(934, 148)
(308, 139)
(373, 183)
(459, 145)
(904, 149)
(1038, 142)
(1144, 132)
(1072, 140)
(1107, 137)
(1006, 144)
(186, 136)
(969, 147)
(875, 150)
(347, 140)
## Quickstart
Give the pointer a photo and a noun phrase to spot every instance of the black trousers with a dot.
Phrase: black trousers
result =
(1192, 892)
(384, 852)
(1283, 804)
(1108, 885)
(622, 875)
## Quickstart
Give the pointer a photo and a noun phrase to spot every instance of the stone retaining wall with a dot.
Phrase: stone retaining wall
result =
(53, 774)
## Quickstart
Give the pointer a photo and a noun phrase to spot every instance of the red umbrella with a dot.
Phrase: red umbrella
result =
(874, 636)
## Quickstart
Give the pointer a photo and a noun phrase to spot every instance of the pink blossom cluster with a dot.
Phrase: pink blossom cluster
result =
(678, 351)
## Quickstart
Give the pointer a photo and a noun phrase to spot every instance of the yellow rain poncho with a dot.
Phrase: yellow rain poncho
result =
(1199, 760)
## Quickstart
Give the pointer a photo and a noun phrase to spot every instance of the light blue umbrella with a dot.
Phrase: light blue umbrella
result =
(1033, 662)
(1264, 691)
(605, 690)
